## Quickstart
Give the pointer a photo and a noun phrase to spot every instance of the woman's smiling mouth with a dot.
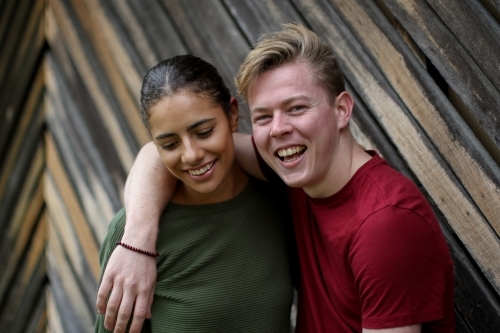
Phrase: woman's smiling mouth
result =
(201, 171)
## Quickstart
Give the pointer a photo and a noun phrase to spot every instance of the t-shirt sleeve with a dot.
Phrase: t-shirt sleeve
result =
(116, 229)
(399, 269)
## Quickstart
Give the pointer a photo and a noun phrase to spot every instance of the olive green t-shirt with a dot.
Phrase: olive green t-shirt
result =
(222, 267)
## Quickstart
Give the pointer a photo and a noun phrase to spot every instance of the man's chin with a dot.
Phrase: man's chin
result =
(292, 180)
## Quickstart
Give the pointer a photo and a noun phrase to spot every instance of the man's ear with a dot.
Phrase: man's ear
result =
(233, 115)
(344, 105)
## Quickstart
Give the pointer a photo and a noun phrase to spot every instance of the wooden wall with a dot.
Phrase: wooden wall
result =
(23, 217)
(425, 76)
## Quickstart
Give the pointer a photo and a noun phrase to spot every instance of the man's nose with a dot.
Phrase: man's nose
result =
(280, 125)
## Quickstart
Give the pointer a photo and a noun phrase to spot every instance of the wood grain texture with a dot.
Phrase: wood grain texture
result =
(83, 243)
(26, 290)
(476, 30)
(256, 17)
(14, 85)
(90, 76)
(453, 61)
(70, 74)
(92, 170)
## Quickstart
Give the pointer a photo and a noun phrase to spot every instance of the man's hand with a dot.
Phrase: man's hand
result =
(129, 281)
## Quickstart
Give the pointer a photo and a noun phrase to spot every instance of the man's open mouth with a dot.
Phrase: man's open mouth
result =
(290, 153)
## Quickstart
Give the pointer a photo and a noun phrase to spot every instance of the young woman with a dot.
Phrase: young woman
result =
(223, 261)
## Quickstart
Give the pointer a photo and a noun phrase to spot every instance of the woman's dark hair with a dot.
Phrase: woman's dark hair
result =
(183, 72)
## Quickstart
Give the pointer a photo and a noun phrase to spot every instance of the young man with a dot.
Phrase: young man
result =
(372, 255)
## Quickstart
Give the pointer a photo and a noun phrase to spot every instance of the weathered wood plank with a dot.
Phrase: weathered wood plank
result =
(84, 238)
(453, 62)
(76, 109)
(477, 303)
(37, 322)
(93, 179)
(15, 85)
(13, 38)
(54, 318)
(91, 15)
(69, 311)
(256, 17)
(6, 10)
(32, 105)
(27, 191)
(426, 163)
(476, 30)
(90, 76)
(18, 236)
(27, 286)
(157, 33)
(493, 6)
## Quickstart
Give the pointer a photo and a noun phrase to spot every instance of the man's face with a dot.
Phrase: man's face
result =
(295, 126)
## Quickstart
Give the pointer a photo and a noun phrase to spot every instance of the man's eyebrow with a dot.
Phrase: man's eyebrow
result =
(189, 128)
(294, 98)
(285, 101)
(257, 109)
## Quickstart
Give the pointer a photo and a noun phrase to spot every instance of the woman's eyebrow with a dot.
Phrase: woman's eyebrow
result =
(189, 128)
(199, 122)
(164, 135)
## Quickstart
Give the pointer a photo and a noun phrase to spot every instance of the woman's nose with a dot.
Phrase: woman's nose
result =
(192, 153)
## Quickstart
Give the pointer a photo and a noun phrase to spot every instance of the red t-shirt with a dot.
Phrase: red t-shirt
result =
(372, 256)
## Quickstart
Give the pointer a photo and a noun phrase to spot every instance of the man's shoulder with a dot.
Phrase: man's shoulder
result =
(389, 184)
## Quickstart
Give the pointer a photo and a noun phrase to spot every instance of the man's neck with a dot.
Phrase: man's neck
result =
(350, 156)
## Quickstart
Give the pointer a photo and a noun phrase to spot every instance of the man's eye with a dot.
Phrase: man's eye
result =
(170, 145)
(297, 108)
(261, 118)
(205, 133)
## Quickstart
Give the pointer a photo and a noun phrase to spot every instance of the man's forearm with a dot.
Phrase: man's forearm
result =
(245, 155)
(148, 189)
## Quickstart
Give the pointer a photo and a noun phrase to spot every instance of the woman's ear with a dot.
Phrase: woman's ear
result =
(344, 105)
(233, 115)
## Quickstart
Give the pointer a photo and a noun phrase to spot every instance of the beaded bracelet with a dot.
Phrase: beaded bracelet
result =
(151, 254)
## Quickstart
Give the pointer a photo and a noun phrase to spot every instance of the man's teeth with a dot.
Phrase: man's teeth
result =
(202, 170)
(290, 151)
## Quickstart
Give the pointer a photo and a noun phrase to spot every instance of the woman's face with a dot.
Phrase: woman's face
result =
(194, 139)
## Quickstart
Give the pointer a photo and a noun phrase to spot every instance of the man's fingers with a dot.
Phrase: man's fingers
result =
(140, 312)
(102, 295)
(124, 313)
(112, 307)
(150, 303)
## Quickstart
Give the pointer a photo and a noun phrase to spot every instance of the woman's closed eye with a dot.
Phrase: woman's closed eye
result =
(205, 133)
(170, 145)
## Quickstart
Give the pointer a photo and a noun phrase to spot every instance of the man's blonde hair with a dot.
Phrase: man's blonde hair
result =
(294, 42)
